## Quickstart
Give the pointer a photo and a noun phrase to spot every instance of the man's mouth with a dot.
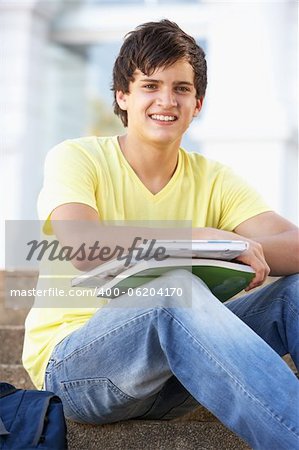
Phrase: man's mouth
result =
(163, 118)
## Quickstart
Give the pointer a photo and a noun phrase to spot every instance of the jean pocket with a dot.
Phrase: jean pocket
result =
(97, 401)
(48, 375)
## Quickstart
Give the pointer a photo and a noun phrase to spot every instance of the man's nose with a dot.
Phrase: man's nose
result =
(166, 98)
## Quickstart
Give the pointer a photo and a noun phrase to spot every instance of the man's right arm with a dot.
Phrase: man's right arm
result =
(75, 224)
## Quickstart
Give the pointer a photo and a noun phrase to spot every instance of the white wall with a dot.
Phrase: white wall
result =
(250, 116)
(42, 91)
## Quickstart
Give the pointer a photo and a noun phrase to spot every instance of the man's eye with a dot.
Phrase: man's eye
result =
(183, 89)
(150, 86)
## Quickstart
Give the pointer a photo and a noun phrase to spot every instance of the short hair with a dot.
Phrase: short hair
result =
(154, 45)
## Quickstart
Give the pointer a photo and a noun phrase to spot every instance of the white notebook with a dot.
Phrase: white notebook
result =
(213, 249)
(207, 249)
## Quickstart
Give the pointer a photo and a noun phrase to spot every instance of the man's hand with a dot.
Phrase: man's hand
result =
(273, 243)
(279, 238)
(254, 257)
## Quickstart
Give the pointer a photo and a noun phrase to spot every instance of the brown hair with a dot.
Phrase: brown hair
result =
(153, 45)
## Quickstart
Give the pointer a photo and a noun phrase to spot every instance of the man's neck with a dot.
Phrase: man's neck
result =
(153, 164)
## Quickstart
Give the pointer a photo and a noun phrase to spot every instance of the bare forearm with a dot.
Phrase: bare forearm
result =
(96, 243)
(281, 252)
(214, 233)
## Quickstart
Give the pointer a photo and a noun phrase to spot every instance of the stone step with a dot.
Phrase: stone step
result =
(197, 430)
(153, 435)
(11, 338)
(16, 280)
(15, 374)
(12, 316)
(21, 279)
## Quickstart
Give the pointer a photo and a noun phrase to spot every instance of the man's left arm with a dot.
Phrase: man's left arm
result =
(279, 239)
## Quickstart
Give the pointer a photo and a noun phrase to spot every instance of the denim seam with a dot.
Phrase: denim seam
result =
(109, 384)
(212, 358)
(293, 309)
(71, 404)
(100, 380)
(102, 337)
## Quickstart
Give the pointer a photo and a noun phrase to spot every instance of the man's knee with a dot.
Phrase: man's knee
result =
(290, 288)
(290, 285)
(180, 288)
(286, 289)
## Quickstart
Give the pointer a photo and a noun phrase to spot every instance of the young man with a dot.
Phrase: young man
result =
(156, 358)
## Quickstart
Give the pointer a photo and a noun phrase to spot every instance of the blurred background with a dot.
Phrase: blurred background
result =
(56, 60)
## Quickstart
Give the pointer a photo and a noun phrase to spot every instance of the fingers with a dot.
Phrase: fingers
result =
(254, 257)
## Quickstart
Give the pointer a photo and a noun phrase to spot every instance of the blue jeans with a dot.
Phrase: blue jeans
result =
(157, 357)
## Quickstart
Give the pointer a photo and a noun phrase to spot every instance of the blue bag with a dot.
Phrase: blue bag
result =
(31, 419)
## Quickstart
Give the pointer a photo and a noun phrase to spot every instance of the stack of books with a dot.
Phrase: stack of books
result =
(209, 260)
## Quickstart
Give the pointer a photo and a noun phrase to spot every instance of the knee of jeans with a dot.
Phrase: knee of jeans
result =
(290, 285)
(179, 287)
(182, 278)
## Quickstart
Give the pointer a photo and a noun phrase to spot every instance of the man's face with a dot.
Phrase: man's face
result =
(161, 106)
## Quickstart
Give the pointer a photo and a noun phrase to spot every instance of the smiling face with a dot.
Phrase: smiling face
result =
(161, 106)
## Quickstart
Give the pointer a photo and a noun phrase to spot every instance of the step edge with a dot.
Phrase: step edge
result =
(11, 366)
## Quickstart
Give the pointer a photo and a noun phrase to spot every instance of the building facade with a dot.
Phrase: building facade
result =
(56, 58)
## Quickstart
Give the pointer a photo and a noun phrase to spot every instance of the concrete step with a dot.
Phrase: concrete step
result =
(15, 374)
(197, 430)
(11, 338)
(153, 435)
(15, 312)
(20, 280)
(12, 316)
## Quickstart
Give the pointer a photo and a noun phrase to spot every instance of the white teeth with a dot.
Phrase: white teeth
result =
(163, 118)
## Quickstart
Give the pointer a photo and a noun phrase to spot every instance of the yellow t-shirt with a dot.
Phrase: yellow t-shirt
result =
(93, 171)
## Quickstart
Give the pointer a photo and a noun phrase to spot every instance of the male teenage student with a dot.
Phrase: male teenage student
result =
(156, 358)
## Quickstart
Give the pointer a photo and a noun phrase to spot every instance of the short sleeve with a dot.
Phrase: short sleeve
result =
(239, 201)
(70, 176)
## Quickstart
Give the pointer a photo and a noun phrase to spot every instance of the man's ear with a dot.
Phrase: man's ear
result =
(199, 102)
(121, 99)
